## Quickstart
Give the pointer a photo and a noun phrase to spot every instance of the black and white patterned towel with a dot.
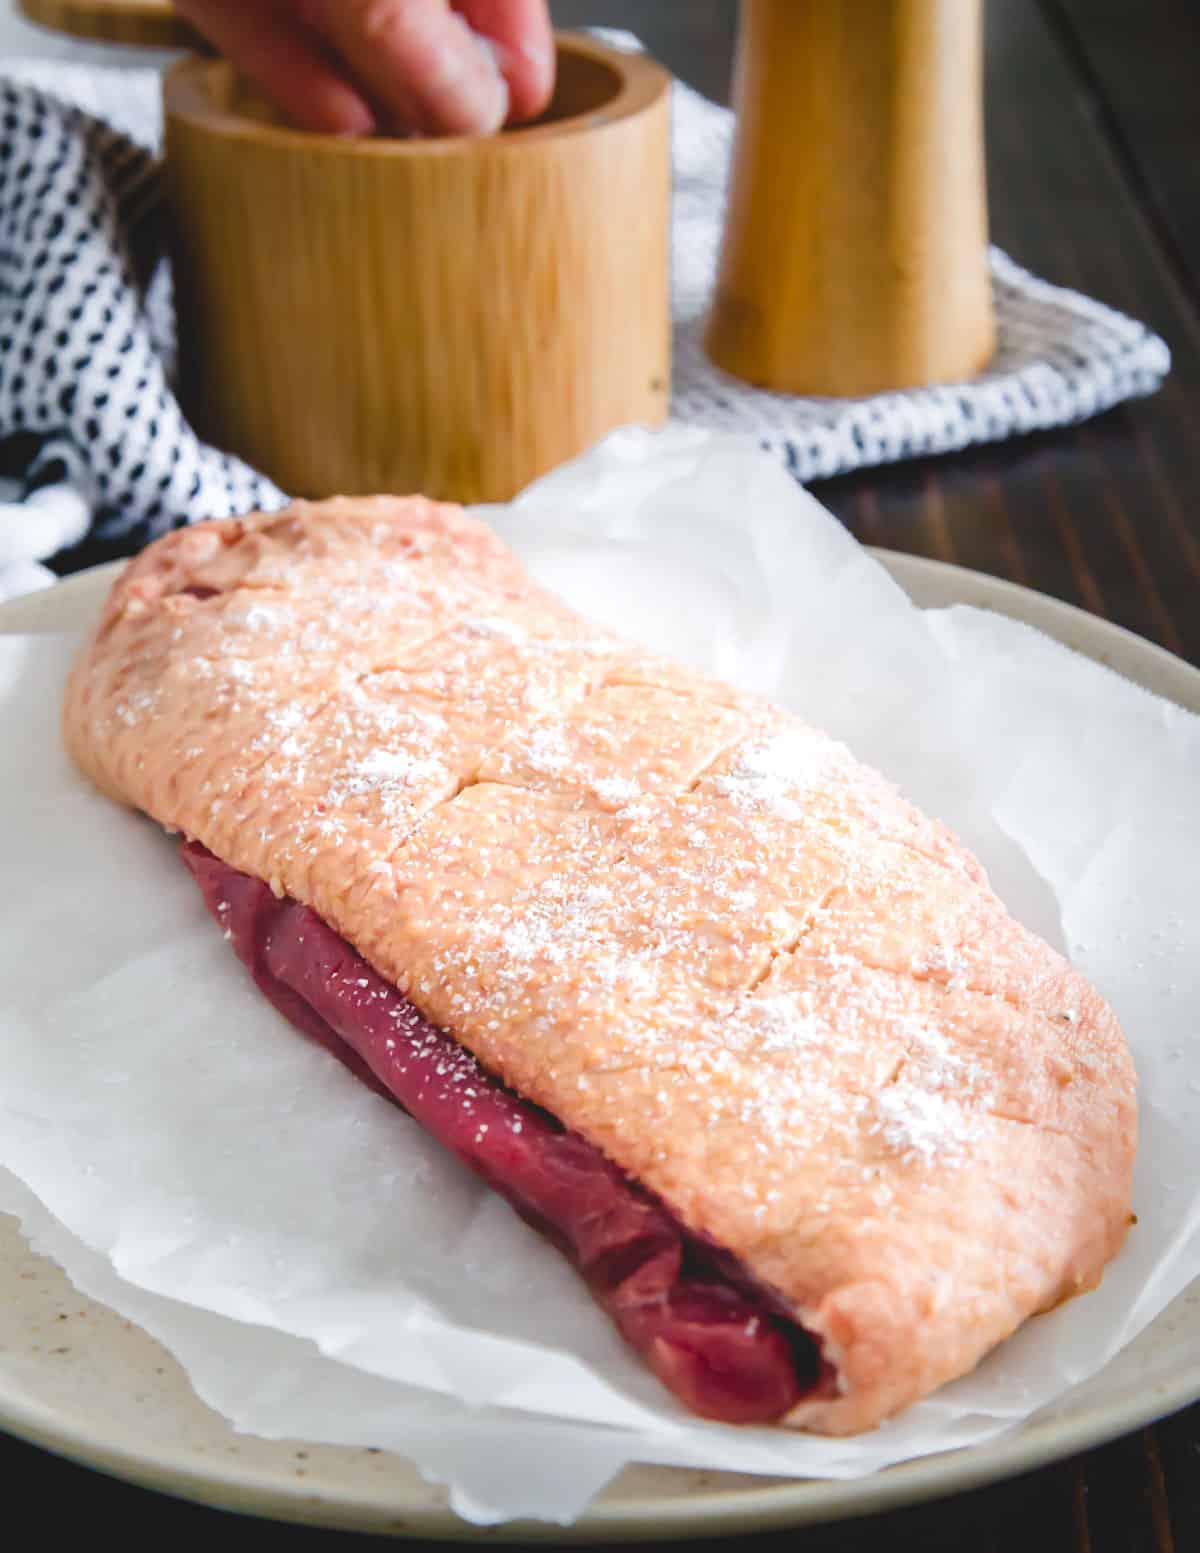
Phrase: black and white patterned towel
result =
(95, 448)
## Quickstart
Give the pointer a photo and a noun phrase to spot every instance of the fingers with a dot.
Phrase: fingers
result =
(417, 61)
(522, 32)
(350, 66)
(285, 60)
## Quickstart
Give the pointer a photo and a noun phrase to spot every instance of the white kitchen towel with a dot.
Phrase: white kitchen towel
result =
(86, 334)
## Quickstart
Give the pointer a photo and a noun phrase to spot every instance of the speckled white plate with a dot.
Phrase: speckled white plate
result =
(81, 1381)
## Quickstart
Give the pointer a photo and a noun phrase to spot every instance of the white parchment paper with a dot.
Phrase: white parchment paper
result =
(319, 1268)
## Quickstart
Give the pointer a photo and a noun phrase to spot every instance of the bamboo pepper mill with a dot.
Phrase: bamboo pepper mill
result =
(855, 248)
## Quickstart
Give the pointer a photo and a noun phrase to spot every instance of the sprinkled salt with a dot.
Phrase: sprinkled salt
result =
(285, 718)
(136, 707)
(495, 627)
(546, 750)
(780, 1023)
(615, 790)
(940, 1066)
(922, 1125)
(262, 617)
(392, 774)
(772, 773)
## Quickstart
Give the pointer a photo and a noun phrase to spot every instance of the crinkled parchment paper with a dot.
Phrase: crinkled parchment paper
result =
(317, 1265)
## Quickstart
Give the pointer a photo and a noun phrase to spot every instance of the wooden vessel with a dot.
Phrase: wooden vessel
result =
(855, 249)
(456, 316)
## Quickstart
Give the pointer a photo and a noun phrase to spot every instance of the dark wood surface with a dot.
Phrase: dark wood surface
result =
(1094, 162)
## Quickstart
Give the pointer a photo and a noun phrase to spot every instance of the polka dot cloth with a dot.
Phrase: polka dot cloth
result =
(86, 333)
(85, 326)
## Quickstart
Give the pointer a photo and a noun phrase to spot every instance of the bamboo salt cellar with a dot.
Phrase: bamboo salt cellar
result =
(455, 316)
(854, 257)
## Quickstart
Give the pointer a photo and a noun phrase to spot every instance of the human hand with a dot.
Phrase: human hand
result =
(349, 67)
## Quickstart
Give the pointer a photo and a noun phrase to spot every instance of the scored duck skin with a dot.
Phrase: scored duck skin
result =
(723, 1350)
(688, 928)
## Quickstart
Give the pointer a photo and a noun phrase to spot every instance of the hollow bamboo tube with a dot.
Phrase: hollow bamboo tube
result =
(854, 257)
(455, 316)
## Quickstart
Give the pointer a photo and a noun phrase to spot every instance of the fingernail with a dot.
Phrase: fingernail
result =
(471, 92)
(495, 54)
(539, 55)
(353, 120)
(494, 102)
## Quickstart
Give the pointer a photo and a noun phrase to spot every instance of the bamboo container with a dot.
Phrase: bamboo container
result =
(854, 257)
(455, 316)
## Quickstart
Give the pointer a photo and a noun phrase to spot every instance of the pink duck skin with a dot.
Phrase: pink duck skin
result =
(783, 1012)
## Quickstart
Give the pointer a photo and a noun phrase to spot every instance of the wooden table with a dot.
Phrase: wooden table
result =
(1094, 148)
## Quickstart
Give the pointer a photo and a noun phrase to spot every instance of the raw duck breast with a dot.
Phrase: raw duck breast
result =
(819, 1122)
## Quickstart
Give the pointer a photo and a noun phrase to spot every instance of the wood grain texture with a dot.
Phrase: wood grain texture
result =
(1137, 64)
(452, 316)
(855, 249)
(151, 22)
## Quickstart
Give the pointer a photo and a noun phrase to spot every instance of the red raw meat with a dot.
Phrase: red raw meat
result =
(725, 1347)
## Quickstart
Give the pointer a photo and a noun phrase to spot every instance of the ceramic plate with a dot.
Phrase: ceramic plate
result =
(78, 1379)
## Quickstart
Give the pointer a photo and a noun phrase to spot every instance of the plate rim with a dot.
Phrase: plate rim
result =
(777, 1505)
